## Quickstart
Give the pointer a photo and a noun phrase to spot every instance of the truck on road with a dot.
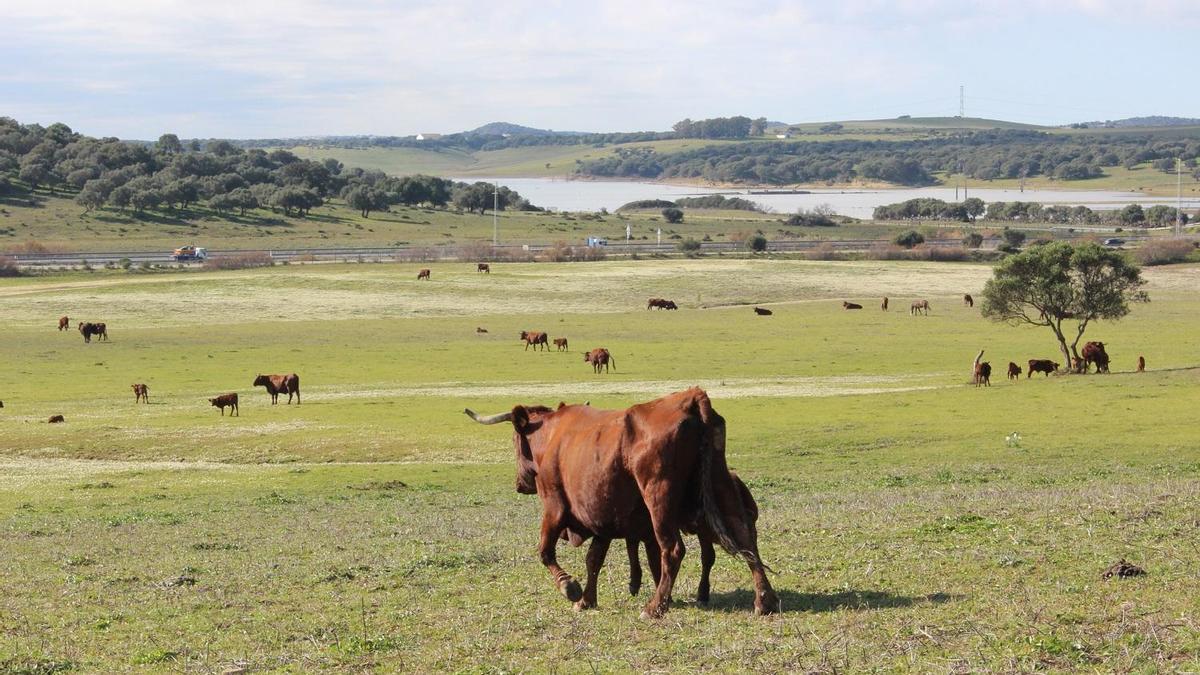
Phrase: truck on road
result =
(190, 253)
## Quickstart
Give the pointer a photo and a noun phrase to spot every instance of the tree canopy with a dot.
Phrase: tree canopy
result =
(1047, 285)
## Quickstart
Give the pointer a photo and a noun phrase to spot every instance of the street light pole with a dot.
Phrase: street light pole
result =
(495, 208)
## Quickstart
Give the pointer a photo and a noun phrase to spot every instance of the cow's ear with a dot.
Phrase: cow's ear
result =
(561, 405)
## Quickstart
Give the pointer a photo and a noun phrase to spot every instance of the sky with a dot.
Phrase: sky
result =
(274, 68)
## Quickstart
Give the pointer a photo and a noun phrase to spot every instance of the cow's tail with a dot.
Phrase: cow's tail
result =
(712, 444)
(612, 361)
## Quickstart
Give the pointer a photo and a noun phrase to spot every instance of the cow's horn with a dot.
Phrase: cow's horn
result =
(494, 419)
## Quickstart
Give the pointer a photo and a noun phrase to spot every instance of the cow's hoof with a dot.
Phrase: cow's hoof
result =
(584, 605)
(572, 590)
(634, 588)
(766, 604)
(653, 612)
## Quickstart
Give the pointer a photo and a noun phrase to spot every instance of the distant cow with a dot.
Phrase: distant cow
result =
(87, 330)
(56, 419)
(423, 274)
(1041, 366)
(226, 401)
(1141, 368)
(1093, 353)
(918, 307)
(535, 338)
(968, 300)
(762, 312)
(561, 344)
(599, 357)
(483, 267)
(141, 393)
(1078, 365)
(660, 303)
(64, 323)
(480, 330)
(883, 305)
(1014, 371)
(280, 384)
(850, 305)
(983, 375)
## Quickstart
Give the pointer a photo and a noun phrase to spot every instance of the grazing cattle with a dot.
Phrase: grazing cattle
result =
(919, 306)
(883, 305)
(483, 267)
(226, 401)
(480, 330)
(141, 393)
(1078, 365)
(641, 473)
(850, 305)
(1041, 366)
(1, 404)
(535, 338)
(64, 323)
(56, 419)
(1141, 368)
(983, 375)
(660, 303)
(280, 384)
(561, 344)
(762, 312)
(88, 329)
(669, 304)
(1059, 315)
(599, 357)
(968, 300)
(423, 274)
(1093, 353)
(1014, 371)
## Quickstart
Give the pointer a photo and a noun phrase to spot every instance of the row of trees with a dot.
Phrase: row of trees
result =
(720, 127)
(1028, 212)
(984, 155)
(173, 175)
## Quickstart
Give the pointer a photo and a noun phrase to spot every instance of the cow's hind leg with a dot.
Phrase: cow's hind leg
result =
(745, 538)
(708, 557)
(552, 527)
(595, 560)
(635, 566)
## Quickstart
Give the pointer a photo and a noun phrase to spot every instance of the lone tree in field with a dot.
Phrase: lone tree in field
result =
(1049, 284)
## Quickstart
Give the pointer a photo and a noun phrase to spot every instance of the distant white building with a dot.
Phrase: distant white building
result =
(420, 137)
(783, 136)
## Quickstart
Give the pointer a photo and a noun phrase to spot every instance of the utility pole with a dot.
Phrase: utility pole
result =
(1178, 196)
(962, 108)
(495, 208)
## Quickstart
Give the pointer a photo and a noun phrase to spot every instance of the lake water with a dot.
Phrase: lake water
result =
(583, 195)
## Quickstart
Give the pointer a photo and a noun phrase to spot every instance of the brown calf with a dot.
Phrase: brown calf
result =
(483, 267)
(423, 274)
(983, 375)
(850, 305)
(561, 344)
(1014, 371)
(56, 419)
(64, 323)
(1141, 367)
(141, 393)
(968, 300)
(1041, 366)
(883, 305)
(226, 401)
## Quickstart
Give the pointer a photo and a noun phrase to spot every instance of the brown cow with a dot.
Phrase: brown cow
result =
(423, 274)
(280, 384)
(919, 306)
(599, 357)
(850, 305)
(660, 303)
(226, 400)
(968, 300)
(535, 338)
(640, 473)
(1041, 366)
(561, 344)
(1078, 365)
(983, 375)
(480, 330)
(483, 267)
(1093, 352)
(1141, 368)
(56, 419)
(762, 312)
(88, 329)
(1014, 371)
(141, 393)
(884, 304)
(64, 323)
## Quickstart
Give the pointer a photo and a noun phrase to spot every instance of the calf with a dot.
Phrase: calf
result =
(762, 312)
(561, 344)
(1041, 366)
(423, 274)
(141, 393)
(483, 267)
(64, 323)
(968, 300)
(919, 307)
(56, 419)
(1141, 368)
(850, 305)
(480, 330)
(1014, 371)
(280, 384)
(883, 305)
(983, 375)
(226, 401)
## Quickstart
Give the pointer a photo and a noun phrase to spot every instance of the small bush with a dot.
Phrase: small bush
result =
(689, 245)
(909, 239)
(240, 261)
(647, 204)
(673, 215)
(8, 267)
(1164, 251)
(973, 240)
(756, 242)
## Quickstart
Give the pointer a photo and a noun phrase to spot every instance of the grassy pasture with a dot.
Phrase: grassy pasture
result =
(374, 527)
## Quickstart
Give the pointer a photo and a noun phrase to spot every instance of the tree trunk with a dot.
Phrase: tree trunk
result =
(975, 368)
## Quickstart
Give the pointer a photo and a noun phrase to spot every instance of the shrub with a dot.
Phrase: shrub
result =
(1164, 251)
(673, 215)
(8, 267)
(1013, 238)
(973, 240)
(240, 261)
(817, 217)
(825, 251)
(909, 239)
(647, 204)
(689, 245)
(756, 242)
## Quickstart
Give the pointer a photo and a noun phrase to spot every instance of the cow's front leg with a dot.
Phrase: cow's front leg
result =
(595, 560)
(552, 527)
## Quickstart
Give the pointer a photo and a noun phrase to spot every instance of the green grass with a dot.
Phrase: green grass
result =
(374, 526)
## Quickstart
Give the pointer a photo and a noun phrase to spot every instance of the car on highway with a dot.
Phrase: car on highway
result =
(1114, 242)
